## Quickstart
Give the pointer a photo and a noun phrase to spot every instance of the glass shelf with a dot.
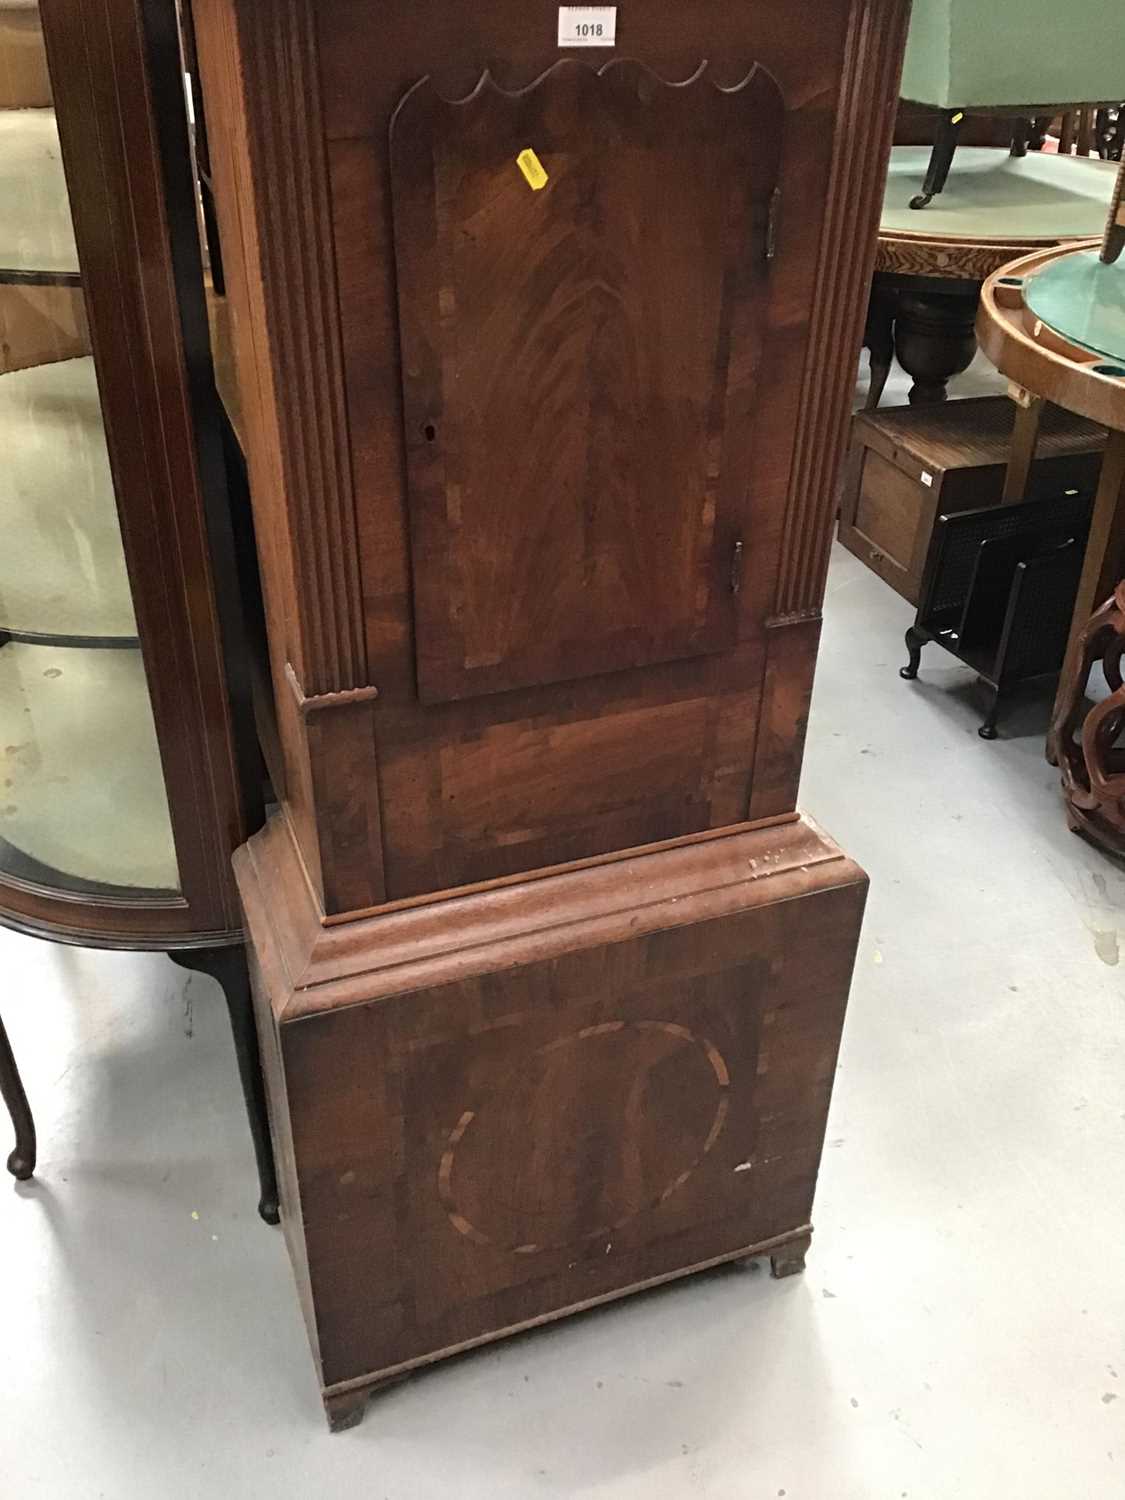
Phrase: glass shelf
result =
(83, 804)
(1082, 299)
(82, 790)
(62, 569)
(36, 232)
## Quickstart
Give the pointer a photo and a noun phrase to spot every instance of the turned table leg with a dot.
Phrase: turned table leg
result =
(228, 966)
(935, 338)
(1025, 440)
(21, 1162)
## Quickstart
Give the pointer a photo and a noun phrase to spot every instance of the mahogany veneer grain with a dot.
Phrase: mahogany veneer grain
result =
(543, 480)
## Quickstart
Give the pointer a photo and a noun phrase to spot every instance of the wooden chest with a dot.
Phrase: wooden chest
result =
(544, 356)
(907, 465)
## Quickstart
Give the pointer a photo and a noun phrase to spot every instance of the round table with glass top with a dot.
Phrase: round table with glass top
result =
(1054, 324)
(929, 266)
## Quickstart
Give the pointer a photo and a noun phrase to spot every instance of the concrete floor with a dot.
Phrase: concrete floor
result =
(960, 1331)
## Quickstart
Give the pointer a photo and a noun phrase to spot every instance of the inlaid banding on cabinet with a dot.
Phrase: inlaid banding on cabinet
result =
(531, 1105)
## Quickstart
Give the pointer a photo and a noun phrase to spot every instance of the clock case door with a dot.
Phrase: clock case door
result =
(580, 358)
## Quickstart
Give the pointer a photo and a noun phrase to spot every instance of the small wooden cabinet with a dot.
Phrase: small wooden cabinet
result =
(908, 465)
(543, 357)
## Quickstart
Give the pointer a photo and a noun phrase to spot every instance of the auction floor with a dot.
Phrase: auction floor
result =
(959, 1332)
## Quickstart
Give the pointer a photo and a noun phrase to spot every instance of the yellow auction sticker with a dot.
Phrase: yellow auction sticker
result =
(532, 168)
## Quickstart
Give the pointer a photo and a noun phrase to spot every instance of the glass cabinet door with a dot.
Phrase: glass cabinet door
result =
(83, 804)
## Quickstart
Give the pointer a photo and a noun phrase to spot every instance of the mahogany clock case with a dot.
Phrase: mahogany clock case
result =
(550, 974)
(542, 479)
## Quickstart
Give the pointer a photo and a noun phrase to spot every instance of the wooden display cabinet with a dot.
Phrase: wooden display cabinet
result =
(544, 357)
(124, 783)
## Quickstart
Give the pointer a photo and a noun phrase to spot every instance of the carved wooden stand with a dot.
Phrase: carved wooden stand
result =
(1042, 359)
(1086, 750)
(1085, 745)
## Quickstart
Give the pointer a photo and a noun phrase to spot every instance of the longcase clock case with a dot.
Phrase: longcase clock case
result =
(543, 361)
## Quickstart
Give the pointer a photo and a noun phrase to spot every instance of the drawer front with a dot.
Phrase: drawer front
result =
(887, 523)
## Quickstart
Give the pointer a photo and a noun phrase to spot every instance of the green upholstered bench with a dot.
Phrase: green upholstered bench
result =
(1027, 60)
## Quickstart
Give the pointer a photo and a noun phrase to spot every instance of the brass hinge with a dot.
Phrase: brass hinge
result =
(771, 223)
(736, 568)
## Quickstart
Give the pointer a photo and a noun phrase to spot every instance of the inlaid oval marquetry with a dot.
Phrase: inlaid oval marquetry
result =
(584, 1135)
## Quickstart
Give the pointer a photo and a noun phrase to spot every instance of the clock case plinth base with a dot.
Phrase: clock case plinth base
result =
(510, 1103)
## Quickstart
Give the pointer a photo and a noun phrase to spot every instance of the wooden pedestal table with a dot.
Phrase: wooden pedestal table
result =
(1054, 323)
(929, 266)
